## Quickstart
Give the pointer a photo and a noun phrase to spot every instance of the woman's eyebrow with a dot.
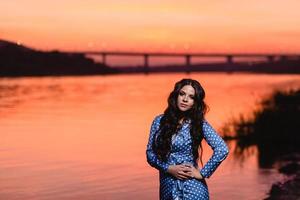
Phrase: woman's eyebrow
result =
(185, 93)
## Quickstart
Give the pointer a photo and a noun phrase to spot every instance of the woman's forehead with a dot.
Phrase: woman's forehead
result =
(188, 89)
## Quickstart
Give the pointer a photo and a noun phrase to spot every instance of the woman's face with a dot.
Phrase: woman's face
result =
(185, 99)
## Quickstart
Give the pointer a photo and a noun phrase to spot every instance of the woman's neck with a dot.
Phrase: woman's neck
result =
(182, 119)
(183, 115)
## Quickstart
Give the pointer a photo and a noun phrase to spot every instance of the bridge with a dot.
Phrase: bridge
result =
(229, 58)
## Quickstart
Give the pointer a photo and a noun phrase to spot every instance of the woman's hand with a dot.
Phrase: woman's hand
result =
(179, 171)
(192, 171)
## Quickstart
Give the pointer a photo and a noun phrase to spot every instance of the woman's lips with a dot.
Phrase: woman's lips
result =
(183, 105)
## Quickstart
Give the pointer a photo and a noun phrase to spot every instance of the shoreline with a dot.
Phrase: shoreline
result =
(289, 188)
(273, 129)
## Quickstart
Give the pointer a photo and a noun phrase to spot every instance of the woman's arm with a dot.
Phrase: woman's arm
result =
(152, 158)
(220, 150)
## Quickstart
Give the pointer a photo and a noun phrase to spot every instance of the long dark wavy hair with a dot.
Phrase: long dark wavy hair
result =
(170, 121)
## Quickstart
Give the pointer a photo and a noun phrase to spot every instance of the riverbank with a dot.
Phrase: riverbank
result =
(273, 129)
(288, 189)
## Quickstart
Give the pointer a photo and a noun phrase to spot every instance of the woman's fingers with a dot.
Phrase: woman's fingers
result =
(183, 177)
(187, 169)
(184, 171)
(182, 167)
(185, 174)
(190, 174)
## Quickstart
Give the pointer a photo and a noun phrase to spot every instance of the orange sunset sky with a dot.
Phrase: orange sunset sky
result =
(169, 26)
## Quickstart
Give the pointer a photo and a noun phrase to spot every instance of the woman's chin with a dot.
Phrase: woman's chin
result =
(183, 110)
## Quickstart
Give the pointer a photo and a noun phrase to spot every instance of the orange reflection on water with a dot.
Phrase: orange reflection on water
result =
(72, 137)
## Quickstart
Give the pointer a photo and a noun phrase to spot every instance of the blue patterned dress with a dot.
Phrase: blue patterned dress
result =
(181, 152)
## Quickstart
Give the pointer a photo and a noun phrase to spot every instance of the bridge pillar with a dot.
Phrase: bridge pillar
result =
(283, 58)
(104, 58)
(188, 63)
(229, 59)
(146, 63)
(270, 59)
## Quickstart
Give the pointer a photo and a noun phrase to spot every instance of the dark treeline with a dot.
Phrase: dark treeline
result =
(17, 60)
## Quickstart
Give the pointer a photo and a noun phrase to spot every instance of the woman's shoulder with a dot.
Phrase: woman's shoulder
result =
(207, 127)
(158, 117)
(205, 124)
(156, 121)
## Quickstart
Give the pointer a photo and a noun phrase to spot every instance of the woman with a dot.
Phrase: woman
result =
(174, 143)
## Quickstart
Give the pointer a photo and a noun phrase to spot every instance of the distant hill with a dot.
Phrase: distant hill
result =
(18, 60)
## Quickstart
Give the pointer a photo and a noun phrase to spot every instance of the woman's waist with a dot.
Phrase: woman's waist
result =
(179, 158)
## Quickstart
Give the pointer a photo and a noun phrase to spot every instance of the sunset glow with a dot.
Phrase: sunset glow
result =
(170, 26)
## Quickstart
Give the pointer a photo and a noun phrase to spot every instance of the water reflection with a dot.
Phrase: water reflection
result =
(13, 94)
(85, 137)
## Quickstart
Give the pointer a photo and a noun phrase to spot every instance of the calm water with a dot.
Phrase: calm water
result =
(85, 137)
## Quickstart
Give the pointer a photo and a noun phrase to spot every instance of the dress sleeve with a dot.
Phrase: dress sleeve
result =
(152, 158)
(219, 147)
